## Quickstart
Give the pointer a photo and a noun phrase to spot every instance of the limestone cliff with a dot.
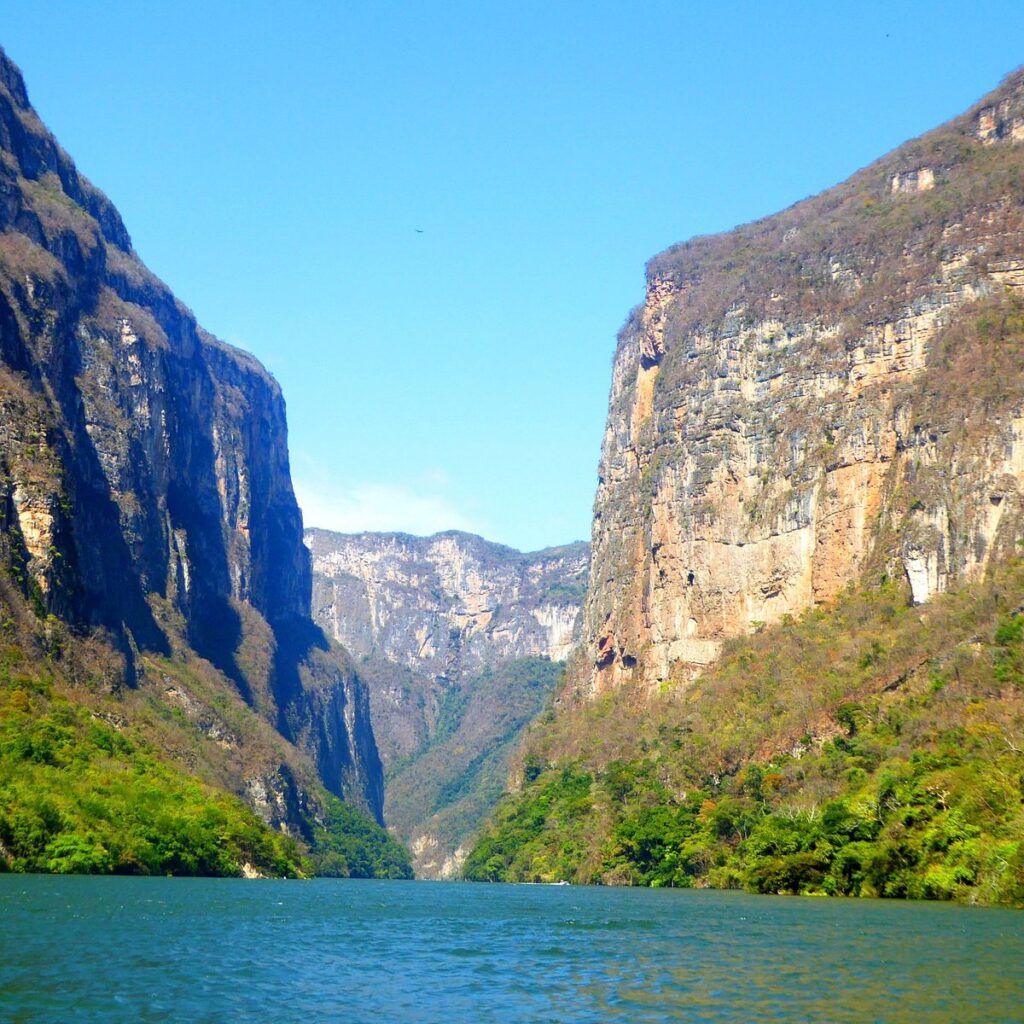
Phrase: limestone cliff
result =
(443, 607)
(796, 403)
(145, 493)
(451, 633)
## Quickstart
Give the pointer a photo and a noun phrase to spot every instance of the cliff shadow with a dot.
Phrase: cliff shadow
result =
(323, 708)
(295, 641)
(214, 628)
(102, 587)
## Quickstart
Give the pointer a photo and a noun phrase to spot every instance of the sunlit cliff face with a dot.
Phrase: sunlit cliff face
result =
(775, 429)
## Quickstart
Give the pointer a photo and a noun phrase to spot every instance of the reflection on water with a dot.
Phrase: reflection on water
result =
(122, 949)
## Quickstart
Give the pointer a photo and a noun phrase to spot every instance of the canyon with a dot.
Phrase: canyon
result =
(789, 660)
(459, 640)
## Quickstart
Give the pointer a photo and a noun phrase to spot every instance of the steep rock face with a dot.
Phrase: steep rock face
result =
(444, 607)
(145, 486)
(455, 637)
(446, 604)
(793, 406)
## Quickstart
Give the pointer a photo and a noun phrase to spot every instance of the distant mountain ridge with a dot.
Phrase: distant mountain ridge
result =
(448, 623)
(449, 603)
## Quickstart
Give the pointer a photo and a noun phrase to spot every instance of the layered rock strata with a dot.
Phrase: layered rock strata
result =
(443, 607)
(783, 418)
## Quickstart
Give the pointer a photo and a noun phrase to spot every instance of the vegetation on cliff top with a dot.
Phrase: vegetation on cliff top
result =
(783, 266)
(873, 748)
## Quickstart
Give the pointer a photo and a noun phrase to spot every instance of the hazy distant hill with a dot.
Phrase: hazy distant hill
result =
(457, 638)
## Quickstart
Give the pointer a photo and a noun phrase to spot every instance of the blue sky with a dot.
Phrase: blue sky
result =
(273, 163)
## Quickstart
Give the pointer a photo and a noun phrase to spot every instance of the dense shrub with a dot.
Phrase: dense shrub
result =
(351, 845)
(79, 796)
(798, 765)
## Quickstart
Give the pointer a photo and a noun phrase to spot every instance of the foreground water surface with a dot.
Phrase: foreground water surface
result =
(161, 949)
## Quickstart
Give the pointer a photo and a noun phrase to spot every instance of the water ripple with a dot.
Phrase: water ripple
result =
(149, 950)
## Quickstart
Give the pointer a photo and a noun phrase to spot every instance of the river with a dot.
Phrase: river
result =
(188, 950)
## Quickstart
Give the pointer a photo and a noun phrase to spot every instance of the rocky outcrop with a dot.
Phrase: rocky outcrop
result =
(454, 636)
(447, 604)
(442, 608)
(144, 478)
(800, 402)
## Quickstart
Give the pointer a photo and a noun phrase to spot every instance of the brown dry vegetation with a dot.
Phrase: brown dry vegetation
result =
(782, 266)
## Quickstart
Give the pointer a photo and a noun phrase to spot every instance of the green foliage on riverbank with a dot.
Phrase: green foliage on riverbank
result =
(351, 845)
(79, 795)
(873, 748)
(85, 791)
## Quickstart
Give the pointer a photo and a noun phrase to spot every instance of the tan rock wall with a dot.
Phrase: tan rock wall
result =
(761, 442)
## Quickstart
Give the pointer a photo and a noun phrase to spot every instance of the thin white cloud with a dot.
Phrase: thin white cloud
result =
(419, 508)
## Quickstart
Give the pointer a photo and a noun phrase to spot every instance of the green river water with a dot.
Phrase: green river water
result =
(183, 950)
